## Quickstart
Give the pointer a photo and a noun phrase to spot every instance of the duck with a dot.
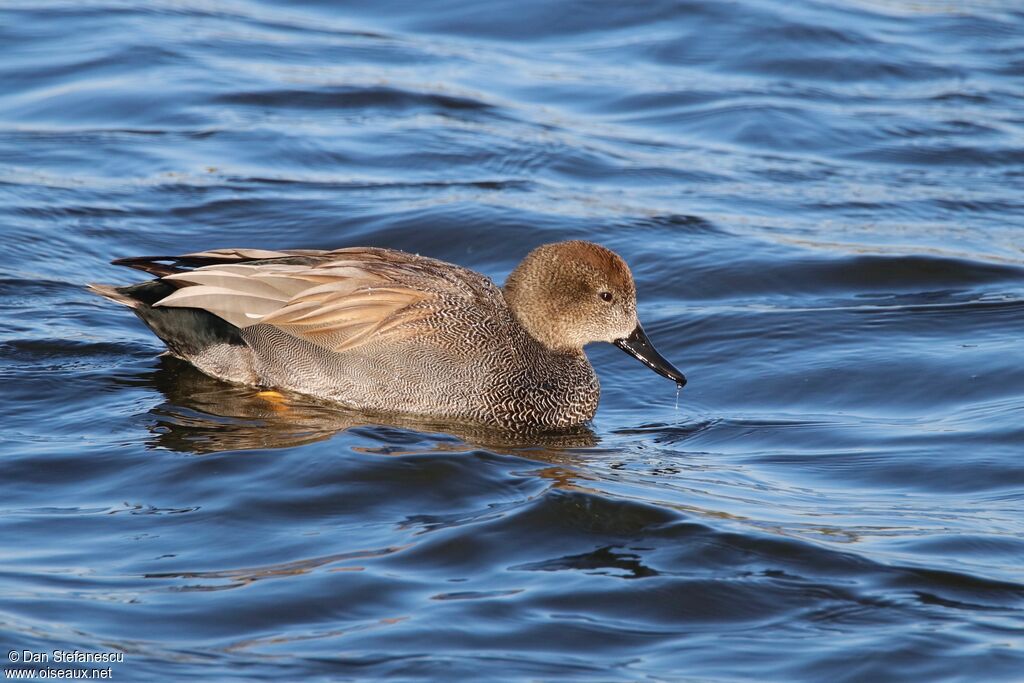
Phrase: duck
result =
(383, 331)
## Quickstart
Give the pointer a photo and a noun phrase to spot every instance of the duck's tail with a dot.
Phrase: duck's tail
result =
(188, 332)
(114, 294)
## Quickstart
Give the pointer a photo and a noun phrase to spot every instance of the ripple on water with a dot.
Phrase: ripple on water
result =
(819, 203)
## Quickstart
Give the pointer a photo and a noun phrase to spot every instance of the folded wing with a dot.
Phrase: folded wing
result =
(337, 300)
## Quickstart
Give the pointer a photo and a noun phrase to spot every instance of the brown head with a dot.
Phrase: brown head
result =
(569, 294)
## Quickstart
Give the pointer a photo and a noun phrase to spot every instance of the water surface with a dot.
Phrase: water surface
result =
(821, 203)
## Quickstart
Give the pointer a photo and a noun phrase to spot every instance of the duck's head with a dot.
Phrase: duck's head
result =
(569, 294)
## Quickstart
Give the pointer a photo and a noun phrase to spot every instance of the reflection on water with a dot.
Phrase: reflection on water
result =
(204, 415)
(236, 578)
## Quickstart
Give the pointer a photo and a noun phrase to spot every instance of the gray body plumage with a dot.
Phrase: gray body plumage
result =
(470, 376)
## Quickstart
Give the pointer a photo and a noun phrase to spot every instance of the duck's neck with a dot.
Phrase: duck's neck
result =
(538, 322)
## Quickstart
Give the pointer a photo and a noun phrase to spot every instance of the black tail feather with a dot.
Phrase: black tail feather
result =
(178, 264)
(151, 264)
(155, 265)
(186, 331)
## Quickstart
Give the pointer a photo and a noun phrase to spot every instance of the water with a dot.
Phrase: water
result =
(822, 205)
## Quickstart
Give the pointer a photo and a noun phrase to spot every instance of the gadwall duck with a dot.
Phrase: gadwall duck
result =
(384, 331)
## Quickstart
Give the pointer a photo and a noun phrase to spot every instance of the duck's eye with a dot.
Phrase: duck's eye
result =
(607, 296)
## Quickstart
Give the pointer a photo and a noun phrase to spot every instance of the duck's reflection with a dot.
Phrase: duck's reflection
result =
(203, 415)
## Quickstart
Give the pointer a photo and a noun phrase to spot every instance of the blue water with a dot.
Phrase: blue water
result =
(822, 204)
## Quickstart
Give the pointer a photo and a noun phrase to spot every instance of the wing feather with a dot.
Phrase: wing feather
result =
(338, 300)
(238, 308)
(231, 281)
(249, 254)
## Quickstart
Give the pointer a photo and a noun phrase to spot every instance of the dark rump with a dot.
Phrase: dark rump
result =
(186, 331)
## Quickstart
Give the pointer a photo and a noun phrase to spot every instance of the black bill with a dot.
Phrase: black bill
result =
(640, 347)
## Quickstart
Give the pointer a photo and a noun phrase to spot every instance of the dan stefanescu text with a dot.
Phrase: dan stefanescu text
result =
(65, 657)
